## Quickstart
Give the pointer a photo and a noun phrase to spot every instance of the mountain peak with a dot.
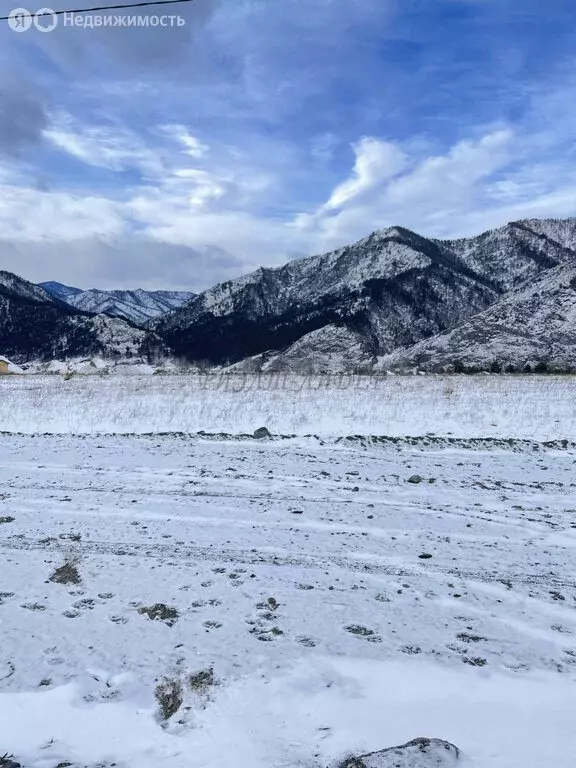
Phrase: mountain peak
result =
(59, 290)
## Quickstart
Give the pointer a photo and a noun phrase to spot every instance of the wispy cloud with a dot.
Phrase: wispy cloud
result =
(191, 145)
(103, 146)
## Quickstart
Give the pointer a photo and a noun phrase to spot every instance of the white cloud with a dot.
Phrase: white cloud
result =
(376, 162)
(30, 214)
(221, 215)
(434, 195)
(205, 187)
(456, 173)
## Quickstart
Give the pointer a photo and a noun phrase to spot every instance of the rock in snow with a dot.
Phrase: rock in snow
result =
(418, 753)
(261, 433)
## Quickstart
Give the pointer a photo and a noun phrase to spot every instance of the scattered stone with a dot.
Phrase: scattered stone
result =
(71, 614)
(307, 642)
(212, 625)
(425, 556)
(418, 753)
(358, 629)
(415, 479)
(33, 606)
(411, 650)
(466, 637)
(557, 595)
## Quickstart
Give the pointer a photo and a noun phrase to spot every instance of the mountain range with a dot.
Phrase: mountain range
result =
(396, 300)
(504, 300)
(34, 325)
(135, 306)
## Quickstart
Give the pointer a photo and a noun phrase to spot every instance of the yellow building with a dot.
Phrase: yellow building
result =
(7, 367)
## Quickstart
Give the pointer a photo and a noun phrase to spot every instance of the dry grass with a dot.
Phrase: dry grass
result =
(169, 695)
(66, 574)
(159, 612)
(202, 681)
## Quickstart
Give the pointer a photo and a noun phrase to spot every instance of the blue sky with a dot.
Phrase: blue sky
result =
(259, 131)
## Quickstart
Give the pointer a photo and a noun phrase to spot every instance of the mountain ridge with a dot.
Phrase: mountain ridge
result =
(390, 290)
(534, 327)
(394, 300)
(137, 306)
(36, 325)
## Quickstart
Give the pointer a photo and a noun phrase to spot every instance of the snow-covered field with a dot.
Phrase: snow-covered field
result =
(310, 601)
(537, 407)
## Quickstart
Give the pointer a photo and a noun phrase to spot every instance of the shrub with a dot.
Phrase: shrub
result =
(169, 696)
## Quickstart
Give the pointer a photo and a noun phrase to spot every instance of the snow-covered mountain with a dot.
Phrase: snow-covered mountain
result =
(59, 290)
(36, 325)
(395, 300)
(137, 306)
(391, 288)
(354, 307)
(531, 328)
(12, 285)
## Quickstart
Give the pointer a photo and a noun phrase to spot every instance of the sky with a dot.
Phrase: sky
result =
(260, 131)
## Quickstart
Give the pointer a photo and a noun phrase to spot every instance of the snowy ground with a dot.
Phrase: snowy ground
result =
(537, 407)
(301, 622)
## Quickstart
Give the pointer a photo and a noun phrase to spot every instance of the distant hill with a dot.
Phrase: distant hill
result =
(136, 306)
(59, 290)
(34, 325)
